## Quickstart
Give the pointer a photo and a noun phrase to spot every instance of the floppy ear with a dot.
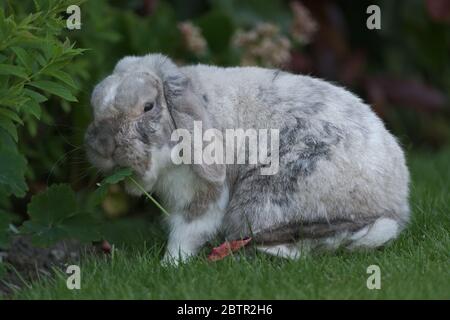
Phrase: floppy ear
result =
(184, 105)
(187, 106)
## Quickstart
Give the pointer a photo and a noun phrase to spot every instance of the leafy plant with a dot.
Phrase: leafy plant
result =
(55, 214)
(58, 214)
(33, 61)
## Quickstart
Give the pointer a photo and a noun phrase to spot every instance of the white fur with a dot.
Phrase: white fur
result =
(282, 251)
(383, 230)
(176, 187)
(159, 161)
(187, 237)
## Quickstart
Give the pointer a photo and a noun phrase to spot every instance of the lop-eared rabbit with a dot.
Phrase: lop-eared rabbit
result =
(342, 179)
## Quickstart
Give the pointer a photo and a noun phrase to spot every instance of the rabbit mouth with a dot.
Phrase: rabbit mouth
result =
(100, 162)
(107, 165)
(126, 153)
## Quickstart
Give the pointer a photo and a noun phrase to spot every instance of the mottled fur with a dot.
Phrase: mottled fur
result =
(342, 178)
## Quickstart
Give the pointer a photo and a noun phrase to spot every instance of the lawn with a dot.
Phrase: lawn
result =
(415, 266)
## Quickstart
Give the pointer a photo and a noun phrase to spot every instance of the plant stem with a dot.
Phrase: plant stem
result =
(149, 196)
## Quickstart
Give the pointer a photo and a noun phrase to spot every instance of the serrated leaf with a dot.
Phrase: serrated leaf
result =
(23, 57)
(82, 226)
(9, 69)
(63, 76)
(39, 98)
(54, 88)
(54, 215)
(41, 234)
(55, 204)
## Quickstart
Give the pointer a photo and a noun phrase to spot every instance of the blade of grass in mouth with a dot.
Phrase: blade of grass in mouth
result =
(149, 196)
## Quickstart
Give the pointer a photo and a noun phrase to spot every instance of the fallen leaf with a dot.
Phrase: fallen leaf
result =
(227, 248)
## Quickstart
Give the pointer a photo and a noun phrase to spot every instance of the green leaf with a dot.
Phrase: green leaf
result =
(55, 204)
(34, 108)
(24, 58)
(41, 234)
(32, 127)
(9, 69)
(39, 98)
(82, 227)
(54, 88)
(12, 171)
(63, 76)
(9, 126)
(55, 215)
(217, 28)
(11, 115)
(117, 176)
(6, 141)
(13, 102)
(41, 60)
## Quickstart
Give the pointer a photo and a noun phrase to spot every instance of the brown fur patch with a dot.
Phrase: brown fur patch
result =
(308, 230)
(202, 199)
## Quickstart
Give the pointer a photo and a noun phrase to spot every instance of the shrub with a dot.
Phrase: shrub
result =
(33, 69)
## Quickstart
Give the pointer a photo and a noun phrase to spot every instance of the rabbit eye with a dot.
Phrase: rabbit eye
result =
(148, 106)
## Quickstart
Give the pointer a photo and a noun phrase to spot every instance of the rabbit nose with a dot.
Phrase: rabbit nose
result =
(100, 138)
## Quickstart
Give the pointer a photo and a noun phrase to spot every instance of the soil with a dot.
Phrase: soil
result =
(26, 262)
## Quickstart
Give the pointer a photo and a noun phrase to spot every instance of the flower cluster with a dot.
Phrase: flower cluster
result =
(193, 38)
(303, 26)
(263, 45)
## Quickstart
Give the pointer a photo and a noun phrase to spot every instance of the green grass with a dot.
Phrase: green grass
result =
(417, 265)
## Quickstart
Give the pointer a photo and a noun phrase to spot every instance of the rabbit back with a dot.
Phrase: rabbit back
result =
(337, 161)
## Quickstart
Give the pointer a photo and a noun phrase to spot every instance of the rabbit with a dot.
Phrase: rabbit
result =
(342, 180)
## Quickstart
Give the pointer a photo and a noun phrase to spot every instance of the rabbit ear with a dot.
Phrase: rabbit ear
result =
(187, 107)
(184, 105)
(175, 88)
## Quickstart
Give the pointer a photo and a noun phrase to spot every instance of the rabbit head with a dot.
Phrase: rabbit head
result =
(136, 108)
